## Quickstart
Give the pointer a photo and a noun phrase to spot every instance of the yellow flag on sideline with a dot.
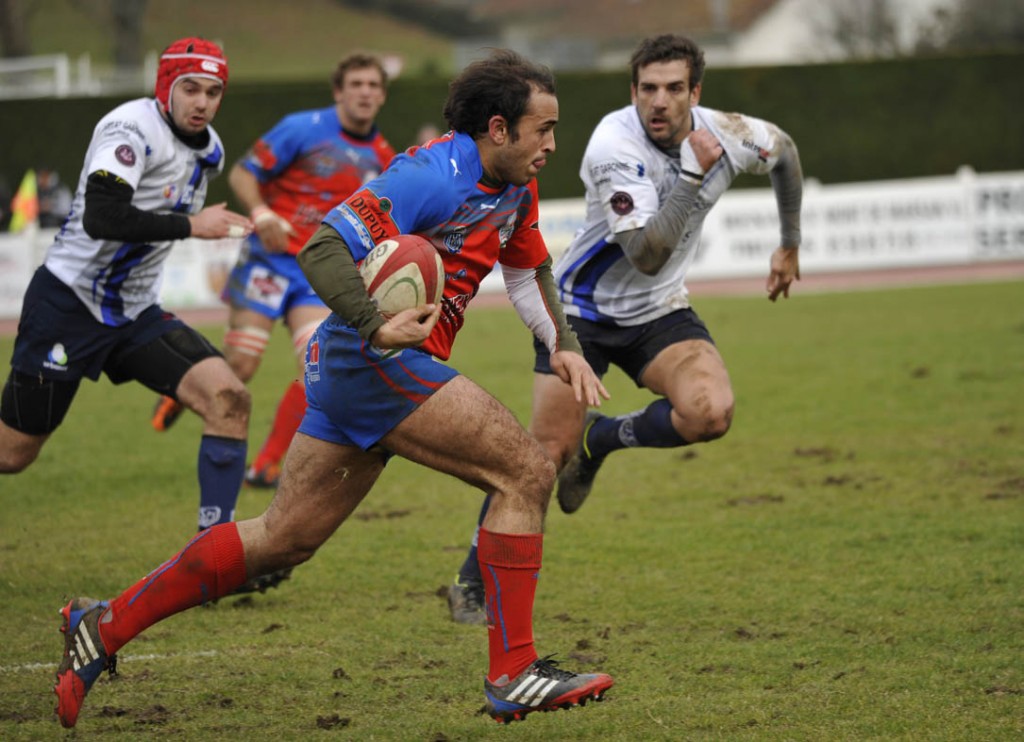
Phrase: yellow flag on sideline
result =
(25, 204)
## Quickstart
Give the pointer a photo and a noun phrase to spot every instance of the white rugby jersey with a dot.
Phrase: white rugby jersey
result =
(118, 280)
(628, 178)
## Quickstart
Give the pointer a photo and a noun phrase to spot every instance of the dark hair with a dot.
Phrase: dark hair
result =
(668, 48)
(500, 85)
(357, 62)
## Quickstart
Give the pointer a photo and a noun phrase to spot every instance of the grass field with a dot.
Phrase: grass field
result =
(844, 565)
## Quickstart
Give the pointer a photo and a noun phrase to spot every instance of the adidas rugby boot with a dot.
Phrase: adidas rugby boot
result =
(84, 657)
(542, 687)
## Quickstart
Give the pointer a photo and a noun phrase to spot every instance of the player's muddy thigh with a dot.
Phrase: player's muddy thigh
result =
(322, 483)
(464, 431)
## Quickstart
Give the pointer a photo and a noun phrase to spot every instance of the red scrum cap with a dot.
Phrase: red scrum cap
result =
(191, 57)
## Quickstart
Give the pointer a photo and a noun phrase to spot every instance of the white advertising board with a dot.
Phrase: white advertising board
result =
(964, 219)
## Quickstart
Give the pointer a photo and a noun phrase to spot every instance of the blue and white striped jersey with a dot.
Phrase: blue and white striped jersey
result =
(627, 179)
(118, 280)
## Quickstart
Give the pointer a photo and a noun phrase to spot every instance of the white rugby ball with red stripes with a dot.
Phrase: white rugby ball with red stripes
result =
(403, 272)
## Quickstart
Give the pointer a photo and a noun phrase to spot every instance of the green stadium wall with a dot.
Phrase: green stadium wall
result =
(852, 122)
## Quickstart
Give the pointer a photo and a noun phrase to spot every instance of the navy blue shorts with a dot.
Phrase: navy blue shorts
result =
(629, 348)
(59, 339)
(59, 342)
(269, 283)
(356, 393)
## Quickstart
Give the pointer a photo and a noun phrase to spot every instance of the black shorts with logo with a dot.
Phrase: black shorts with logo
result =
(59, 342)
(629, 348)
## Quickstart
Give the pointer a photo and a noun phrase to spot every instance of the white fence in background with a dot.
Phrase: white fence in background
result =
(57, 76)
(965, 219)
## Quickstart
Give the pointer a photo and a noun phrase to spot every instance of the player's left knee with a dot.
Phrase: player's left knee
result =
(15, 462)
(233, 403)
(716, 421)
(533, 479)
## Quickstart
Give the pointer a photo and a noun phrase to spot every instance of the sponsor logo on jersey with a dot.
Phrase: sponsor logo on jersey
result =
(313, 362)
(603, 168)
(455, 166)
(372, 215)
(125, 155)
(57, 358)
(169, 191)
(761, 152)
(454, 240)
(266, 288)
(621, 202)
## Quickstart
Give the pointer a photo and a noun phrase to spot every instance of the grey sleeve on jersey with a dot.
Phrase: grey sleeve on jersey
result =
(535, 297)
(331, 271)
(787, 182)
(649, 248)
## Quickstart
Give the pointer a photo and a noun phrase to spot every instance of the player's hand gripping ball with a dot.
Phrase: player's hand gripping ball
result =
(403, 272)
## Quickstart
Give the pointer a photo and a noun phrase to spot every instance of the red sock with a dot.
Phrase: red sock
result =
(290, 411)
(510, 564)
(210, 566)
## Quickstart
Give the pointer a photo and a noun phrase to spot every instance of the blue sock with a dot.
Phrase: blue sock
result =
(650, 427)
(221, 468)
(470, 569)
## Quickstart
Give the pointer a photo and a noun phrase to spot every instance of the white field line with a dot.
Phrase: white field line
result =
(33, 666)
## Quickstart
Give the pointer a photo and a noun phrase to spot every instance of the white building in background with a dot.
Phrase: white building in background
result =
(602, 34)
(790, 33)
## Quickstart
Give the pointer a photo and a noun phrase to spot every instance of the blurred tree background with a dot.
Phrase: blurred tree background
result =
(271, 40)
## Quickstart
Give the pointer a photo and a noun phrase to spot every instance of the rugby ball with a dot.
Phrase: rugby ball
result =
(403, 272)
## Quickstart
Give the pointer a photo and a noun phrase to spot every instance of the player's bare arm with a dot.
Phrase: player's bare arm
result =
(705, 148)
(215, 222)
(785, 268)
(573, 369)
(271, 227)
(407, 329)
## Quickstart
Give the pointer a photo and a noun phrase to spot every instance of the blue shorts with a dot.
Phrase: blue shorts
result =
(269, 283)
(629, 348)
(356, 393)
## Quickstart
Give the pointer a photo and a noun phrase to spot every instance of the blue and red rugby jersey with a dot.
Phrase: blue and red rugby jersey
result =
(307, 163)
(434, 191)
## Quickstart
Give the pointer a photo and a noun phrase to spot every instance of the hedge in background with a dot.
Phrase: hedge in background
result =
(852, 122)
